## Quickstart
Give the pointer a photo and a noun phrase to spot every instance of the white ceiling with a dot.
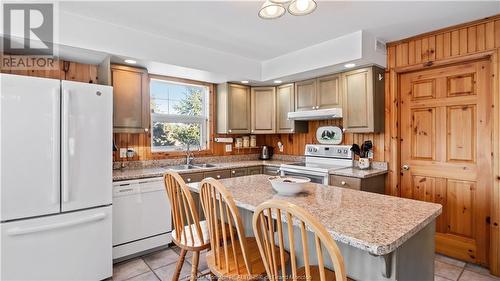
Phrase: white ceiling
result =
(226, 40)
(234, 27)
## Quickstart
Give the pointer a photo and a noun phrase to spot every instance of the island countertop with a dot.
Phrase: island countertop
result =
(372, 222)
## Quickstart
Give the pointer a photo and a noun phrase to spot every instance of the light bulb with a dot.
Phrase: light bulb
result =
(302, 5)
(271, 10)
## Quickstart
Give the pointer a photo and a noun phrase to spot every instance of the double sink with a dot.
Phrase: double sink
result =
(191, 166)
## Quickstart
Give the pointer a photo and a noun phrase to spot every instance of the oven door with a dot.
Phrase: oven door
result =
(315, 177)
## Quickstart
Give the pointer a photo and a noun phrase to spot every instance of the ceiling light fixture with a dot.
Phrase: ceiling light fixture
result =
(279, 1)
(301, 7)
(244, 81)
(270, 10)
(277, 81)
(350, 65)
(130, 61)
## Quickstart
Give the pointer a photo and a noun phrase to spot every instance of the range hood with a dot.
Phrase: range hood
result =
(318, 114)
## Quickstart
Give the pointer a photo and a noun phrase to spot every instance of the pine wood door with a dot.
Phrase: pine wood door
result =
(446, 152)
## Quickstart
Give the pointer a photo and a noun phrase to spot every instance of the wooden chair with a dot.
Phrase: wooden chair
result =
(234, 257)
(189, 234)
(264, 231)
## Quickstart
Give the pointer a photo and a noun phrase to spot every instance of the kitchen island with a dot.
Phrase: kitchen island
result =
(381, 237)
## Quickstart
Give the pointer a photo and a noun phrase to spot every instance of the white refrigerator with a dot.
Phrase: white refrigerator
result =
(56, 179)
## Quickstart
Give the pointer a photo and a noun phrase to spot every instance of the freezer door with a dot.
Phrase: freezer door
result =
(87, 142)
(29, 151)
(71, 246)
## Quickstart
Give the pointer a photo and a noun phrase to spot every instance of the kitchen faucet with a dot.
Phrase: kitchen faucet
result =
(189, 155)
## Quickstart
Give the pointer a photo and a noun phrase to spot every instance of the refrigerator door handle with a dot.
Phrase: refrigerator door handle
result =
(65, 145)
(55, 144)
(28, 230)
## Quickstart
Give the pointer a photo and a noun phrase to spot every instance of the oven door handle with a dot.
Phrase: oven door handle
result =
(312, 173)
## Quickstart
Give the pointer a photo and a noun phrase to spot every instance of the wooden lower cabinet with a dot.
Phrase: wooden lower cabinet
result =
(239, 172)
(255, 170)
(192, 177)
(220, 174)
(270, 170)
(374, 184)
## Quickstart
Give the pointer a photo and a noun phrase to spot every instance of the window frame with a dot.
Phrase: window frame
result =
(205, 118)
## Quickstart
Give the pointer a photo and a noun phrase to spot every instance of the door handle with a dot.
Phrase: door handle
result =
(21, 231)
(66, 145)
(405, 167)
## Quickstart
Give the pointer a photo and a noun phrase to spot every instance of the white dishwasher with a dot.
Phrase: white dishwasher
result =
(141, 216)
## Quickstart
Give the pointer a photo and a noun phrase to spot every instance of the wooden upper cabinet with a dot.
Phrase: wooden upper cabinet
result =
(363, 100)
(263, 107)
(329, 93)
(320, 93)
(233, 109)
(285, 102)
(130, 99)
(305, 95)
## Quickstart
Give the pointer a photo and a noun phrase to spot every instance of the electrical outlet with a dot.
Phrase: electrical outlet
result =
(123, 152)
(229, 147)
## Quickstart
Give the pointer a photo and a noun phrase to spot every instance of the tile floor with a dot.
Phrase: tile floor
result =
(160, 265)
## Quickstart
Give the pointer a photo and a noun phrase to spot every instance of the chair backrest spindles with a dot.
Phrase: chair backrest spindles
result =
(291, 214)
(223, 218)
(184, 213)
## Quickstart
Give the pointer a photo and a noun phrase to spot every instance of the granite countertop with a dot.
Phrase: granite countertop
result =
(354, 172)
(372, 222)
(140, 173)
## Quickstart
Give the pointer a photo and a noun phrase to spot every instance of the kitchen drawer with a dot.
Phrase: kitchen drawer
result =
(271, 170)
(347, 182)
(255, 170)
(192, 177)
(222, 174)
(374, 184)
(239, 172)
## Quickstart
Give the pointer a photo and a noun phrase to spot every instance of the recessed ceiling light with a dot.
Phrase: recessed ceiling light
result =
(350, 65)
(277, 81)
(244, 81)
(130, 61)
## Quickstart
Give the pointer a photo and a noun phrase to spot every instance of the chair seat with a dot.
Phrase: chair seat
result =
(197, 244)
(329, 275)
(240, 273)
(186, 241)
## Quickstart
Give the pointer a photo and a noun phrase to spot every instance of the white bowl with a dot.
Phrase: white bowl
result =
(288, 185)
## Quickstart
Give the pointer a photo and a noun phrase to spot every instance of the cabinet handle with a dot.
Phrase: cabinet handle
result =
(342, 182)
(233, 171)
(146, 130)
(230, 131)
(189, 179)
(218, 176)
(314, 107)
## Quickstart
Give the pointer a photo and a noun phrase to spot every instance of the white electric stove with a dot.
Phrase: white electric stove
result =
(320, 160)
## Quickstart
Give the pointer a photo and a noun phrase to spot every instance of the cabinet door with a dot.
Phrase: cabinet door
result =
(192, 177)
(305, 95)
(130, 99)
(221, 174)
(329, 92)
(263, 107)
(358, 100)
(255, 170)
(239, 172)
(285, 96)
(238, 109)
